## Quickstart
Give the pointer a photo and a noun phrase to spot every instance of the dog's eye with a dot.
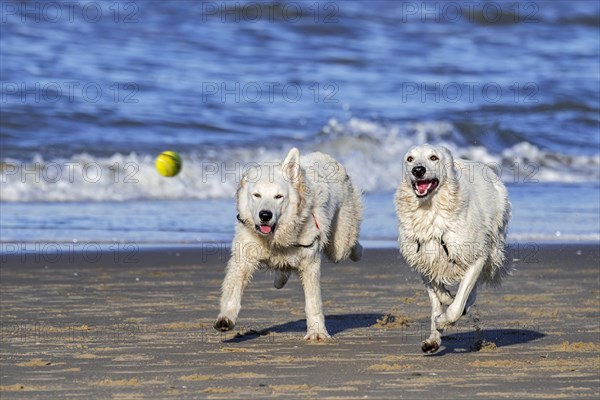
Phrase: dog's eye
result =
(278, 196)
(410, 159)
(257, 195)
(434, 158)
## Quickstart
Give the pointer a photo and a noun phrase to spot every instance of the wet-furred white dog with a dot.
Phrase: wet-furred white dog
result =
(289, 213)
(453, 216)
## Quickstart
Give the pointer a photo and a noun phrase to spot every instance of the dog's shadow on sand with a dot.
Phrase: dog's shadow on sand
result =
(458, 342)
(335, 324)
(478, 340)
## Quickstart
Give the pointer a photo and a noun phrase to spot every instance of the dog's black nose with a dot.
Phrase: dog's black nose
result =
(419, 172)
(265, 215)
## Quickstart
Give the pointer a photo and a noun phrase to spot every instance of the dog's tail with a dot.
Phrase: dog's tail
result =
(500, 266)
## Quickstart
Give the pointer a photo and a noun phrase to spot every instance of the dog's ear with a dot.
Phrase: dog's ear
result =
(241, 186)
(447, 154)
(449, 164)
(291, 166)
(243, 180)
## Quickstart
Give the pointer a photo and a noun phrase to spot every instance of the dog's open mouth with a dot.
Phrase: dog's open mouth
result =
(265, 229)
(423, 187)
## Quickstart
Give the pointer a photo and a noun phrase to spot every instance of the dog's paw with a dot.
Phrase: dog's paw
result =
(317, 336)
(223, 324)
(281, 279)
(357, 252)
(316, 331)
(430, 346)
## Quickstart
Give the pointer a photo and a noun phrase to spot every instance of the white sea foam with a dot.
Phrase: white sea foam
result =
(372, 152)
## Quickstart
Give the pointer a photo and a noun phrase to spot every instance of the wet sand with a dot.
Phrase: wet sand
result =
(137, 323)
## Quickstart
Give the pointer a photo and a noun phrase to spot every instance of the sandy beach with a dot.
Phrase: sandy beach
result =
(136, 323)
(110, 272)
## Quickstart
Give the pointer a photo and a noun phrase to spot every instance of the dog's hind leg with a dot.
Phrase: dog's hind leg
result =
(281, 278)
(432, 344)
(345, 228)
(470, 300)
(442, 293)
(456, 309)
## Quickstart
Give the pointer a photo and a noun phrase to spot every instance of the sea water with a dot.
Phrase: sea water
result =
(91, 92)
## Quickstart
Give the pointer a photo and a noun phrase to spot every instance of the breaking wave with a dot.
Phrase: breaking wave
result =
(371, 151)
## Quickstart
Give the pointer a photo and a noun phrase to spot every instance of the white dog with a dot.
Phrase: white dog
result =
(453, 216)
(288, 214)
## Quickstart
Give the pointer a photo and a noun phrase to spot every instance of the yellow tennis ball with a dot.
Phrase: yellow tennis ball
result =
(168, 163)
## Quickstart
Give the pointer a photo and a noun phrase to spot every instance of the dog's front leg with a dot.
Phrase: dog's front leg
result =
(310, 274)
(457, 308)
(239, 272)
(432, 344)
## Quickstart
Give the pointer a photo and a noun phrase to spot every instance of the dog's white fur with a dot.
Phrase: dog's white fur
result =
(453, 232)
(314, 209)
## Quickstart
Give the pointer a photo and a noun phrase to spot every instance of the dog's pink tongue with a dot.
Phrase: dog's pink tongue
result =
(265, 229)
(422, 186)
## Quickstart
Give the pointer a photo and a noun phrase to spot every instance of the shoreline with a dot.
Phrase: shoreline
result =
(131, 254)
(8, 247)
(112, 328)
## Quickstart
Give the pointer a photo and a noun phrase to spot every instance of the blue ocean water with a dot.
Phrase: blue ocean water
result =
(92, 91)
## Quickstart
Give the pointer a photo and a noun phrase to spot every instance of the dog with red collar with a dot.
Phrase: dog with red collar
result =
(290, 213)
